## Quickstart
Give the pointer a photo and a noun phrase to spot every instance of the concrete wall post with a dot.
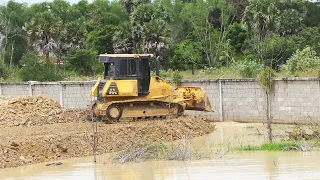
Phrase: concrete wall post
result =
(61, 95)
(31, 88)
(220, 100)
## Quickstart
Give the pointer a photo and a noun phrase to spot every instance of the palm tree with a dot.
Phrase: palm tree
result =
(261, 17)
(43, 30)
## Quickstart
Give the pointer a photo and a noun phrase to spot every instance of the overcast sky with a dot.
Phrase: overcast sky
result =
(2, 2)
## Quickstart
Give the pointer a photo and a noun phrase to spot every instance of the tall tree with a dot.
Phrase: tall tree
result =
(43, 30)
(13, 17)
(209, 27)
(262, 17)
(101, 26)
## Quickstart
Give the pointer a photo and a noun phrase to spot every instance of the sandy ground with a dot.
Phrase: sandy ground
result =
(34, 130)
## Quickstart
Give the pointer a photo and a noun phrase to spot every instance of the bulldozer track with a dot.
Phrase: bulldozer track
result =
(140, 110)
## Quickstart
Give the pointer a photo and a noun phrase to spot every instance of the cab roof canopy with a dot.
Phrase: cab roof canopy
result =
(112, 57)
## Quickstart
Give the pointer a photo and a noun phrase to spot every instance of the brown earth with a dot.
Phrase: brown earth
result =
(36, 129)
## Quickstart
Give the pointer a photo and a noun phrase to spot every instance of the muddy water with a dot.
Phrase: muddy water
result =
(233, 165)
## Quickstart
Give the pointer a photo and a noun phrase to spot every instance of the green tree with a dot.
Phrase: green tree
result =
(101, 26)
(210, 40)
(312, 17)
(43, 30)
(84, 62)
(262, 17)
(33, 69)
(273, 51)
(291, 16)
(12, 20)
(309, 36)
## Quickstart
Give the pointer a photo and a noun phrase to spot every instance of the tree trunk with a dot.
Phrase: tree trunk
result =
(158, 66)
(12, 48)
(269, 118)
(58, 64)
(192, 68)
(46, 57)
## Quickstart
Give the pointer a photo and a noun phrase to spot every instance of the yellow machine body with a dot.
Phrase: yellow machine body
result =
(119, 98)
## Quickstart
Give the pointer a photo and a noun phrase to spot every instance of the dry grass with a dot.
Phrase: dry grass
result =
(180, 150)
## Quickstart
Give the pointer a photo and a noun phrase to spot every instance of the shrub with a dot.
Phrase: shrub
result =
(2, 70)
(83, 62)
(247, 68)
(7, 73)
(35, 70)
(176, 77)
(266, 77)
(302, 60)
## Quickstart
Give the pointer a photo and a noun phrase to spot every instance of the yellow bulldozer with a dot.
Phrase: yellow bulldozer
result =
(129, 91)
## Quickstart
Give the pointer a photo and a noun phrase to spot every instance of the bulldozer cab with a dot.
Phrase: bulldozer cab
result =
(128, 66)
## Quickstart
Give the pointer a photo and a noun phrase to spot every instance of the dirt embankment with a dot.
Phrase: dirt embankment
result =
(36, 129)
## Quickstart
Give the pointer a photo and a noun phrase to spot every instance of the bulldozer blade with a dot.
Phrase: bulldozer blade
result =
(207, 104)
(203, 105)
(195, 98)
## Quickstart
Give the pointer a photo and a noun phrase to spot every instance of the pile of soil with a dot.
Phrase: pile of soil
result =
(27, 145)
(37, 110)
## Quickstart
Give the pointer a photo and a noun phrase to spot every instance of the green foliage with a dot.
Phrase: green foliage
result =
(310, 36)
(266, 78)
(273, 51)
(276, 146)
(247, 68)
(262, 17)
(183, 55)
(2, 70)
(35, 70)
(312, 18)
(176, 77)
(208, 35)
(83, 62)
(302, 60)
(237, 36)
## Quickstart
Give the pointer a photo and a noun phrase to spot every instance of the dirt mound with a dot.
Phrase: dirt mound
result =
(37, 110)
(27, 145)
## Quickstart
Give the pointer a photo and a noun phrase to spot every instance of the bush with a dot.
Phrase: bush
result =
(302, 60)
(266, 77)
(7, 73)
(176, 77)
(35, 70)
(247, 68)
(83, 62)
(2, 70)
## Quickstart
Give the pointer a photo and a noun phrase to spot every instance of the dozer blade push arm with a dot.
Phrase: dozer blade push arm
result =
(195, 98)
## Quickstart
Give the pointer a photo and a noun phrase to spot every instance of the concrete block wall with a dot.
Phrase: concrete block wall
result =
(50, 90)
(295, 100)
(15, 89)
(76, 94)
(212, 89)
(68, 94)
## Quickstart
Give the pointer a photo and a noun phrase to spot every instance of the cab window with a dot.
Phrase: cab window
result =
(109, 69)
(128, 67)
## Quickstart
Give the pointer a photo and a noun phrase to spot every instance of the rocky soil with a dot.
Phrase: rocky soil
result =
(36, 129)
